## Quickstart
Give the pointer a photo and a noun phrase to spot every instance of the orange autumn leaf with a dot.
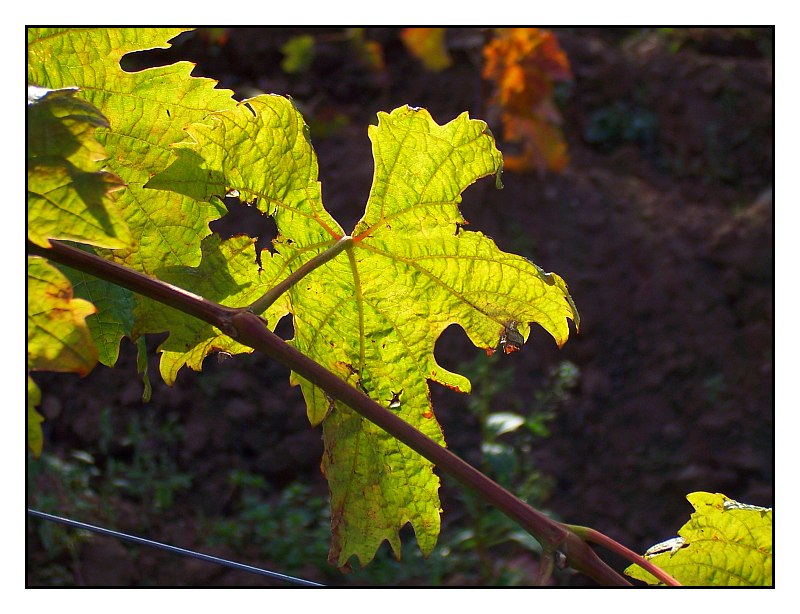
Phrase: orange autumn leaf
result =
(525, 64)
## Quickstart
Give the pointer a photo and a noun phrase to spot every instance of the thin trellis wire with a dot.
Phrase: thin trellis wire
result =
(173, 549)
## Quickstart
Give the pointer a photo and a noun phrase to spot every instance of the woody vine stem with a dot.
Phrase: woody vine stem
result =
(248, 328)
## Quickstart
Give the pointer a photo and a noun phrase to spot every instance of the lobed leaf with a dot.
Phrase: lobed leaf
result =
(260, 149)
(725, 543)
(373, 313)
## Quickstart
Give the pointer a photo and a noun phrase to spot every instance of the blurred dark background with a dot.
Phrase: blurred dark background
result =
(658, 214)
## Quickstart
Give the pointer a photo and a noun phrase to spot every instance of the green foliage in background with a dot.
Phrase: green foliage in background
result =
(298, 54)
(510, 434)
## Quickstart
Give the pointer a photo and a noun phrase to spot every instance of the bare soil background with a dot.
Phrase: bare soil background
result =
(662, 225)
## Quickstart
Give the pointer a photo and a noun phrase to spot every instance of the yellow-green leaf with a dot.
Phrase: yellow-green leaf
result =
(275, 166)
(227, 274)
(58, 338)
(373, 313)
(135, 117)
(725, 543)
(146, 112)
(114, 317)
(69, 195)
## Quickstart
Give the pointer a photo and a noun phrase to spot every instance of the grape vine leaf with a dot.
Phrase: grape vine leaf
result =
(372, 314)
(114, 317)
(417, 188)
(724, 543)
(58, 339)
(142, 114)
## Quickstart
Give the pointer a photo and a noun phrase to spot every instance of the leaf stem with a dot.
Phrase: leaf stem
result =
(263, 303)
(249, 329)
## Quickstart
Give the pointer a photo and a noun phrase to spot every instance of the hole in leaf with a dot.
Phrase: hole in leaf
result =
(285, 328)
(149, 58)
(452, 347)
(245, 218)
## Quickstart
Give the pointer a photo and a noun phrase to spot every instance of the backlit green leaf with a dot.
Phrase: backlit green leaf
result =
(69, 195)
(136, 117)
(228, 275)
(373, 313)
(114, 317)
(58, 338)
(146, 112)
(725, 543)
(273, 164)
